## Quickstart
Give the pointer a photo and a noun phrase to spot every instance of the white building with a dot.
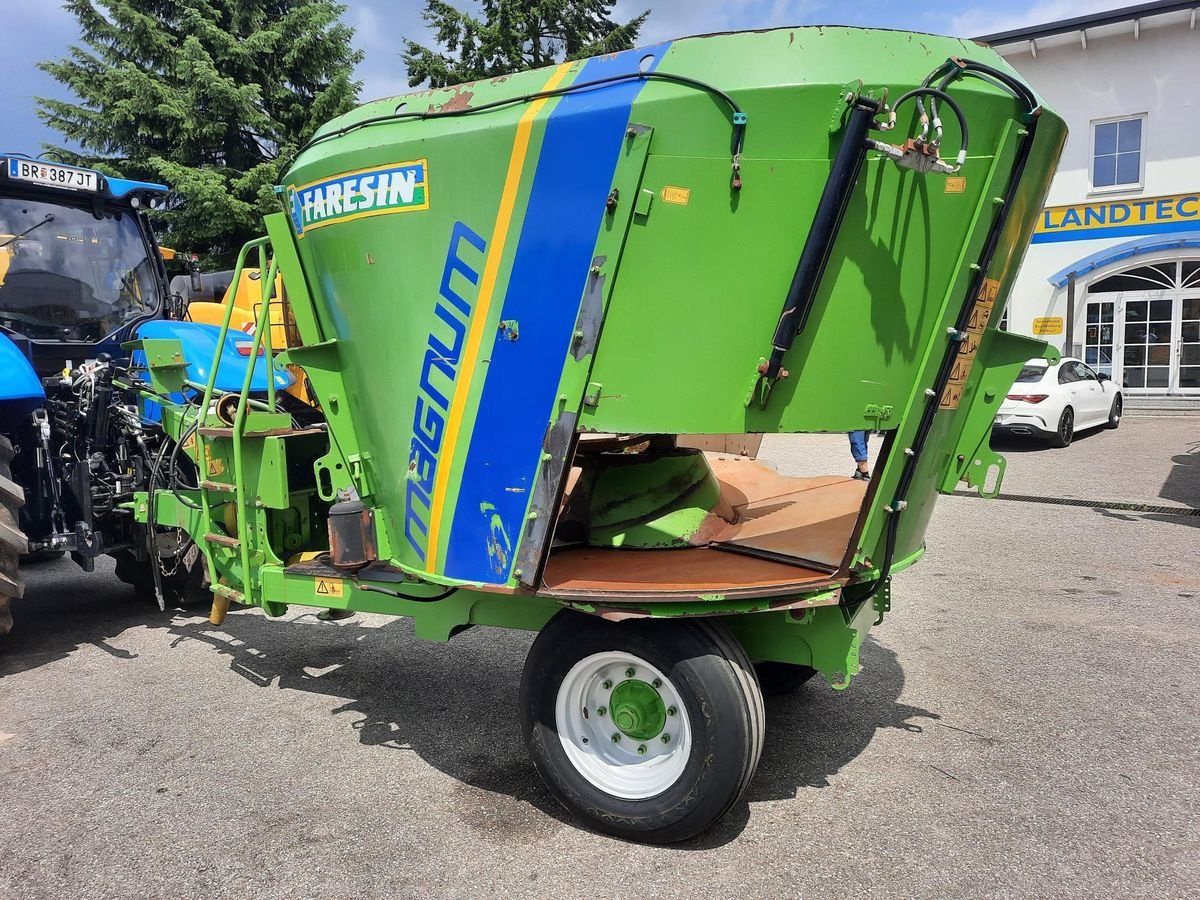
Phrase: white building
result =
(1113, 272)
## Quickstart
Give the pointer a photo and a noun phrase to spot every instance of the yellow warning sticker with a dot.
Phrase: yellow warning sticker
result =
(216, 465)
(969, 347)
(1048, 325)
(679, 195)
(329, 587)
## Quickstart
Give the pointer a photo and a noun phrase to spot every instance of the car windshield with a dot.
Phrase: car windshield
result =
(1031, 373)
(67, 275)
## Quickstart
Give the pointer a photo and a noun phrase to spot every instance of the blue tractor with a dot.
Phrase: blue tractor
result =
(81, 275)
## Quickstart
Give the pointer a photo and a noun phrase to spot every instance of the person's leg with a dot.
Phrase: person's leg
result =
(858, 449)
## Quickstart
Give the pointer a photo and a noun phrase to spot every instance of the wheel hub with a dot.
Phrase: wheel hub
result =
(638, 710)
(611, 714)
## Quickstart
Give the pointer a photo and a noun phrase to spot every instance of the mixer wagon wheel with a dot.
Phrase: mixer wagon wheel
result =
(648, 730)
(12, 540)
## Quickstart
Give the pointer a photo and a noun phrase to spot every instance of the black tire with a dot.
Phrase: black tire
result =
(1114, 413)
(1064, 433)
(778, 678)
(186, 587)
(12, 540)
(135, 573)
(715, 684)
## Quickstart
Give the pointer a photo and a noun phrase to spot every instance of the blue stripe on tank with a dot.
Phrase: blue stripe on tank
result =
(574, 173)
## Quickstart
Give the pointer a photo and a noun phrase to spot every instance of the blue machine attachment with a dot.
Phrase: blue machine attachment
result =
(200, 346)
(20, 389)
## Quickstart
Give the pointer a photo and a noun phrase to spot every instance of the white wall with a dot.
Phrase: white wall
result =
(1157, 74)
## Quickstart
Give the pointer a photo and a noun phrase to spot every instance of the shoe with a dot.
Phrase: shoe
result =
(861, 476)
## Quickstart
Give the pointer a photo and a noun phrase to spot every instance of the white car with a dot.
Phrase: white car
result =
(1055, 400)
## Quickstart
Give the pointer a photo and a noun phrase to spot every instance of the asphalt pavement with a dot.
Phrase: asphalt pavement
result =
(1025, 726)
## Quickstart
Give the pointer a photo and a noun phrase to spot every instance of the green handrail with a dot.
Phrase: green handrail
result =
(259, 244)
(262, 340)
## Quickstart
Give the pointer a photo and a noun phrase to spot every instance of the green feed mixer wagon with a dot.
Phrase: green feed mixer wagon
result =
(526, 305)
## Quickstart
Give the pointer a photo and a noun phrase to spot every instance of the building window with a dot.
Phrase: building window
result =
(1117, 152)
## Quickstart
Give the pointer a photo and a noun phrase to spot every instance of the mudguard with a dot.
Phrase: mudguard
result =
(20, 389)
(200, 345)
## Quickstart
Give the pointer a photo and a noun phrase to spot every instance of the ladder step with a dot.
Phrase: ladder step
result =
(218, 486)
(224, 540)
(222, 590)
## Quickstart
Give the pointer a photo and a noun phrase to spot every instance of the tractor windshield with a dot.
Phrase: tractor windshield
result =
(68, 275)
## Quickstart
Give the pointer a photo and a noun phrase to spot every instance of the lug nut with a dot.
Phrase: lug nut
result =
(666, 738)
(616, 738)
(629, 672)
(641, 749)
(657, 682)
(607, 685)
(671, 710)
(601, 710)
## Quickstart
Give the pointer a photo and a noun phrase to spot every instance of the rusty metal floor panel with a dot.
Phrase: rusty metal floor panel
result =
(809, 519)
(804, 524)
(681, 574)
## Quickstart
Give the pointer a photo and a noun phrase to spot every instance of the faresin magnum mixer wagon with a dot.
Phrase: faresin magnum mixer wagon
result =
(516, 299)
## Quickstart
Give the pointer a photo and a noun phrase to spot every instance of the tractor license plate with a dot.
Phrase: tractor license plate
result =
(51, 175)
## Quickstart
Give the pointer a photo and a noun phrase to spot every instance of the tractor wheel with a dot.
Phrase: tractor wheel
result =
(12, 539)
(778, 678)
(647, 730)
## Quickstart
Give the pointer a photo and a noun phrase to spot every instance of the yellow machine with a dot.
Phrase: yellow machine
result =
(208, 295)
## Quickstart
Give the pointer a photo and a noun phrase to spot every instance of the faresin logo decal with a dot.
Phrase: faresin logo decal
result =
(400, 187)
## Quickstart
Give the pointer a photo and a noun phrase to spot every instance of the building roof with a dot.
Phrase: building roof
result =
(1094, 20)
(1137, 247)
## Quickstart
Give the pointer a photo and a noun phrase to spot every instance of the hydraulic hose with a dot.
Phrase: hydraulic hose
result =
(738, 116)
(373, 589)
(827, 220)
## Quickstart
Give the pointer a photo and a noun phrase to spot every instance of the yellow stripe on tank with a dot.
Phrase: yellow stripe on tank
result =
(487, 287)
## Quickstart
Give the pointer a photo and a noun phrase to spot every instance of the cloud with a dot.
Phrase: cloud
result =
(680, 18)
(978, 20)
(42, 29)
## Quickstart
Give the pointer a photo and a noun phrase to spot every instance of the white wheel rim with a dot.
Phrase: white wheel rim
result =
(629, 768)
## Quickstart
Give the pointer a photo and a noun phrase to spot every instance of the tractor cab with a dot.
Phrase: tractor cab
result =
(79, 266)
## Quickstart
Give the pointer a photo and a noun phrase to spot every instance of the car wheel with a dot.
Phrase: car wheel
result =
(1114, 414)
(1065, 431)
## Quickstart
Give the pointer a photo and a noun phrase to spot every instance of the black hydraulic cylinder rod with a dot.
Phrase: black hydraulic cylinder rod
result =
(823, 231)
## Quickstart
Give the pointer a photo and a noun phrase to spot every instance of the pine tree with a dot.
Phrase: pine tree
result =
(513, 35)
(211, 97)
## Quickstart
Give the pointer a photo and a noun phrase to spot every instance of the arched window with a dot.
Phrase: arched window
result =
(1144, 278)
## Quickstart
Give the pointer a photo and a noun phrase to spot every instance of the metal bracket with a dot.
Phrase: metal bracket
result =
(846, 96)
(877, 412)
(882, 601)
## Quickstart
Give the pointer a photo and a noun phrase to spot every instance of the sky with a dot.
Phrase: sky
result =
(40, 30)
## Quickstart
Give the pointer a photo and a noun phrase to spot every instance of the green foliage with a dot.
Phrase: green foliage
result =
(513, 35)
(211, 97)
